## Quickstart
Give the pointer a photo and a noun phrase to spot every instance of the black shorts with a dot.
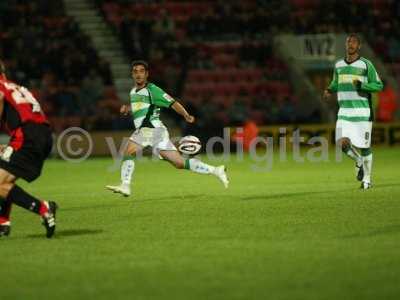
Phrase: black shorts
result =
(27, 161)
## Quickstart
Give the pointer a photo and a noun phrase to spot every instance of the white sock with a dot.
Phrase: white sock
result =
(198, 166)
(354, 155)
(127, 168)
(367, 164)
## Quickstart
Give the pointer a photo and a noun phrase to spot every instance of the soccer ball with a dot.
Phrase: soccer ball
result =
(189, 145)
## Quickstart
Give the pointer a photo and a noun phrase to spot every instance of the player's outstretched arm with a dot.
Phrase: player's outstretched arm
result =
(180, 110)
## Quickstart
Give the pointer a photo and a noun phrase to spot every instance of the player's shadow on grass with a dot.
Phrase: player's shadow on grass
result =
(69, 233)
(390, 229)
(283, 195)
(124, 201)
(173, 198)
(385, 185)
(104, 206)
(291, 195)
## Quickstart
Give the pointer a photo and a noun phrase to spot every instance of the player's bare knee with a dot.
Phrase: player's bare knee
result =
(129, 153)
(344, 143)
(6, 177)
(130, 149)
(5, 189)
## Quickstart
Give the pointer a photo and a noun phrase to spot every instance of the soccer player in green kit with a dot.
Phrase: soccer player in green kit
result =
(354, 79)
(146, 101)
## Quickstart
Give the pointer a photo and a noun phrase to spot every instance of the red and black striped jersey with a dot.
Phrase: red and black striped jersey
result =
(20, 106)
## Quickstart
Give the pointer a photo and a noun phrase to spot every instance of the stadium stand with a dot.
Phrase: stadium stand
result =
(217, 56)
(377, 20)
(220, 55)
(45, 51)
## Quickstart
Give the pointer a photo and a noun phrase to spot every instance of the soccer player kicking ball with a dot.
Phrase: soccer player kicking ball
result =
(146, 100)
(29, 146)
(354, 79)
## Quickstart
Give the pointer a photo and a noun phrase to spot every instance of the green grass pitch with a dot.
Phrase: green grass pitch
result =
(300, 231)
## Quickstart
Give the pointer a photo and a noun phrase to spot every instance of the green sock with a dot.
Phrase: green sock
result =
(187, 164)
(365, 151)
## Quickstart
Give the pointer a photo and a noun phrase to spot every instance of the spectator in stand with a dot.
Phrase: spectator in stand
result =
(286, 113)
(90, 93)
(65, 101)
(60, 56)
(202, 60)
(394, 48)
(238, 112)
(164, 27)
(103, 68)
(273, 111)
(387, 104)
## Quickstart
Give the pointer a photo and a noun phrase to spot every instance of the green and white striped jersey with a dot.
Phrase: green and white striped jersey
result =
(355, 102)
(146, 104)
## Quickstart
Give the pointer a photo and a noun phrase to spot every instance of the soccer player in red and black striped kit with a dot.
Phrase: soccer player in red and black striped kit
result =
(29, 146)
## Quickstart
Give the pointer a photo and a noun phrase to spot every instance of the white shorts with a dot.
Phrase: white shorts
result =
(359, 133)
(157, 138)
